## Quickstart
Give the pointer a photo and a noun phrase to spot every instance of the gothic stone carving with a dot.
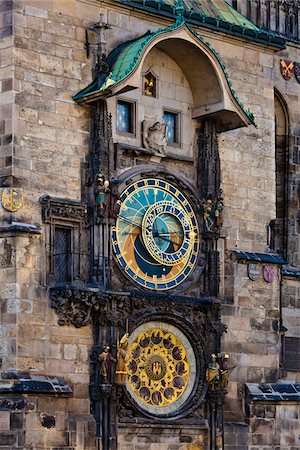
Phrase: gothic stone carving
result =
(62, 208)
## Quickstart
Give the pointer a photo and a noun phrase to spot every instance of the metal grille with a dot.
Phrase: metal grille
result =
(62, 255)
(292, 353)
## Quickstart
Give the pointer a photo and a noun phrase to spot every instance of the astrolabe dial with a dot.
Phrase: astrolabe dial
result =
(161, 367)
(156, 237)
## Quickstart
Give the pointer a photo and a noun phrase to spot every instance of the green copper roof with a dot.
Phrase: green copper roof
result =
(125, 58)
(214, 14)
(209, 8)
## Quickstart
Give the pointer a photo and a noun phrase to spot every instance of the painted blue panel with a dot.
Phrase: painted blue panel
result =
(124, 117)
(170, 120)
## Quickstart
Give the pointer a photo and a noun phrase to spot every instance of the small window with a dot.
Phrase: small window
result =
(62, 255)
(150, 85)
(172, 121)
(292, 353)
(125, 117)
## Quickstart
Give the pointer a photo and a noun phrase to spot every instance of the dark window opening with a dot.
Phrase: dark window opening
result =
(62, 255)
(291, 354)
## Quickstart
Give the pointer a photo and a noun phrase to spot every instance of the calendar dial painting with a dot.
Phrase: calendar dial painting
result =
(161, 368)
(156, 237)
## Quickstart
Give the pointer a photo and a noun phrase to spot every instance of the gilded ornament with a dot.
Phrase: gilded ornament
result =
(286, 69)
(213, 373)
(12, 199)
(158, 369)
(122, 359)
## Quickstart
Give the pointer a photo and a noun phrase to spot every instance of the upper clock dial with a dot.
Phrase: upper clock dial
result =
(156, 238)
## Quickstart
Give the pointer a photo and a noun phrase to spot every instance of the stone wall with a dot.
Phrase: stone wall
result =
(6, 89)
(41, 423)
(274, 426)
(155, 437)
(45, 137)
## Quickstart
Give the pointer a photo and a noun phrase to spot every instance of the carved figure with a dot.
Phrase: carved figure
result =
(122, 360)
(218, 213)
(101, 191)
(106, 363)
(224, 371)
(154, 137)
(213, 373)
(208, 220)
(114, 197)
(212, 214)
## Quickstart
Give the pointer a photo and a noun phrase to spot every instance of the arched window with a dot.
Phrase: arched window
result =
(150, 84)
(279, 225)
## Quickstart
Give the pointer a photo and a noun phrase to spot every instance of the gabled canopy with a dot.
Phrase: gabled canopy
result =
(208, 80)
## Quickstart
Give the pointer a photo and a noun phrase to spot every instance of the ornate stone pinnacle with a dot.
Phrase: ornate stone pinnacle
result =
(179, 11)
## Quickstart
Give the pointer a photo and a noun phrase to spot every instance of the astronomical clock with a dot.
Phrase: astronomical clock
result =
(156, 239)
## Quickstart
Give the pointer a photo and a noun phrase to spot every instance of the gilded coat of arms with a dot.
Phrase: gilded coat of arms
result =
(12, 199)
(286, 69)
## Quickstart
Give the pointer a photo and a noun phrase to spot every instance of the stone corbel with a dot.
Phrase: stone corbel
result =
(74, 306)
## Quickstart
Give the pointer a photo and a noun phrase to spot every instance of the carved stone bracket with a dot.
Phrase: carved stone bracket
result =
(75, 306)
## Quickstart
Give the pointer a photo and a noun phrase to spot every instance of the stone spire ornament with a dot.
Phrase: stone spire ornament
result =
(179, 11)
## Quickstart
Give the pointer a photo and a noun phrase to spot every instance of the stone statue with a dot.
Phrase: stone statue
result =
(207, 212)
(213, 373)
(218, 213)
(154, 137)
(101, 191)
(122, 360)
(106, 363)
(226, 368)
(212, 214)
(224, 371)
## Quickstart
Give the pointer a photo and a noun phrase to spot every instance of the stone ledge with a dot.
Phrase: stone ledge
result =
(276, 393)
(12, 383)
(19, 227)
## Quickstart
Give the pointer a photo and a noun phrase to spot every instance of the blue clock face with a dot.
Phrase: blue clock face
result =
(156, 237)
